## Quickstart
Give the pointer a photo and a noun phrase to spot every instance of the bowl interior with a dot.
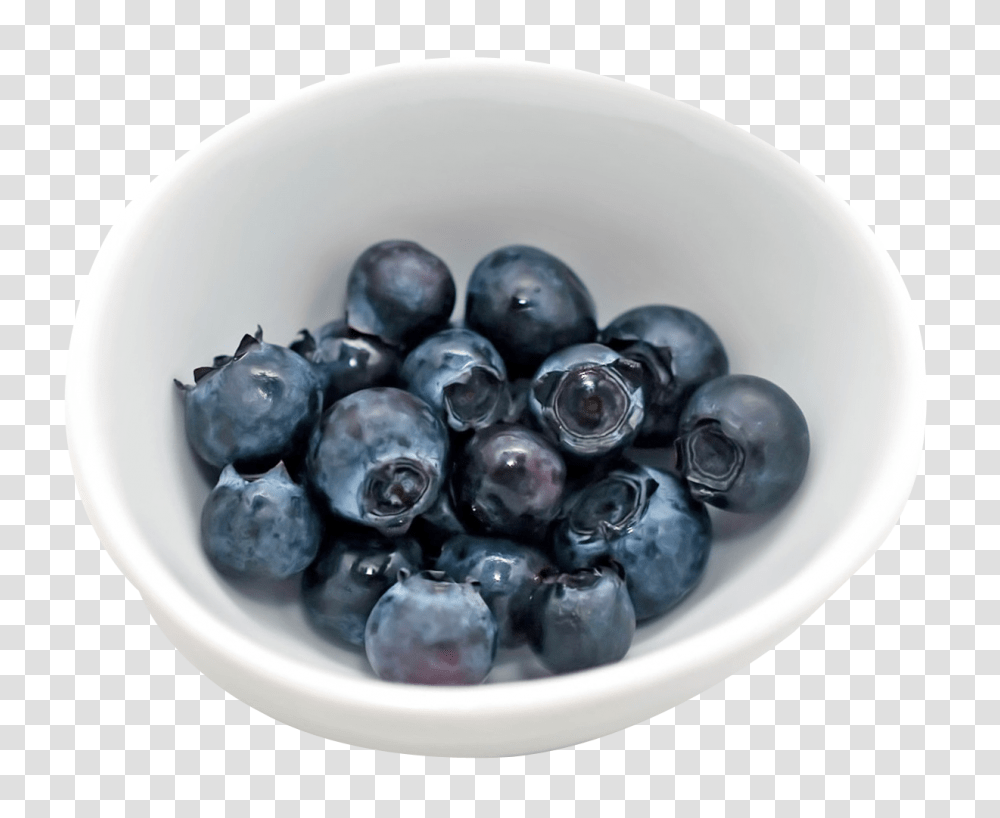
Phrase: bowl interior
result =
(647, 200)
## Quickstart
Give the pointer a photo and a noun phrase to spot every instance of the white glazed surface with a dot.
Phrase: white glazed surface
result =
(649, 200)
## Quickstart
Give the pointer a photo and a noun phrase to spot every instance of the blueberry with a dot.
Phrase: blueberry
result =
(399, 292)
(588, 399)
(460, 374)
(743, 444)
(347, 361)
(378, 457)
(253, 408)
(353, 570)
(262, 528)
(510, 482)
(644, 519)
(678, 351)
(507, 573)
(429, 629)
(581, 619)
(529, 304)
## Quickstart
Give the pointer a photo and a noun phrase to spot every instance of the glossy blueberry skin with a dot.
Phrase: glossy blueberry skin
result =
(588, 399)
(581, 619)
(644, 519)
(459, 373)
(378, 456)
(507, 573)
(347, 361)
(529, 304)
(399, 292)
(253, 409)
(509, 482)
(428, 629)
(264, 528)
(678, 351)
(353, 570)
(743, 444)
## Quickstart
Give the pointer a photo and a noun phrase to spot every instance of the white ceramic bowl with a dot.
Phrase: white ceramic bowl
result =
(649, 200)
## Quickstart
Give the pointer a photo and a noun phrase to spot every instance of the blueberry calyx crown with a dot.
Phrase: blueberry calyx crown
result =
(305, 344)
(476, 399)
(247, 343)
(395, 488)
(610, 508)
(581, 578)
(231, 476)
(657, 362)
(440, 581)
(349, 351)
(710, 460)
(592, 406)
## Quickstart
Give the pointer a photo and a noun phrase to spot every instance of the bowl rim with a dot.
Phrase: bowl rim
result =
(773, 616)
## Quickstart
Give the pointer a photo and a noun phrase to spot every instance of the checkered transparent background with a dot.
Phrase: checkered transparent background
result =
(884, 702)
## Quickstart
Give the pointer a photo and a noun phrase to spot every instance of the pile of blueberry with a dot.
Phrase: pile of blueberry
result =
(447, 490)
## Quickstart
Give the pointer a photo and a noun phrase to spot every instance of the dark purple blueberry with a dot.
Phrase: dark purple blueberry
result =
(678, 352)
(399, 292)
(510, 482)
(507, 573)
(261, 528)
(379, 457)
(588, 399)
(347, 361)
(253, 408)
(644, 519)
(529, 304)
(353, 570)
(581, 619)
(428, 629)
(460, 374)
(743, 444)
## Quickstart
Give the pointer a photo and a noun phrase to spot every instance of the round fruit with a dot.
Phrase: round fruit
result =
(253, 408)
(529, 304)
(378, 457)
(399, 292)
(428, 629)
(743, 444)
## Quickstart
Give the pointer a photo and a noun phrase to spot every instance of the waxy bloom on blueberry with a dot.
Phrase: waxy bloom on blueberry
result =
(399, 292)
(262, 528)
(510, 482)
(460, 374)
(347, 361)
(529, 304)
(588, 399)
(253, 408)
(581, 619)
(743, 444)
(428, 629)
(354, 568)
(678, 352)
(644, 519)
(378, 457)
